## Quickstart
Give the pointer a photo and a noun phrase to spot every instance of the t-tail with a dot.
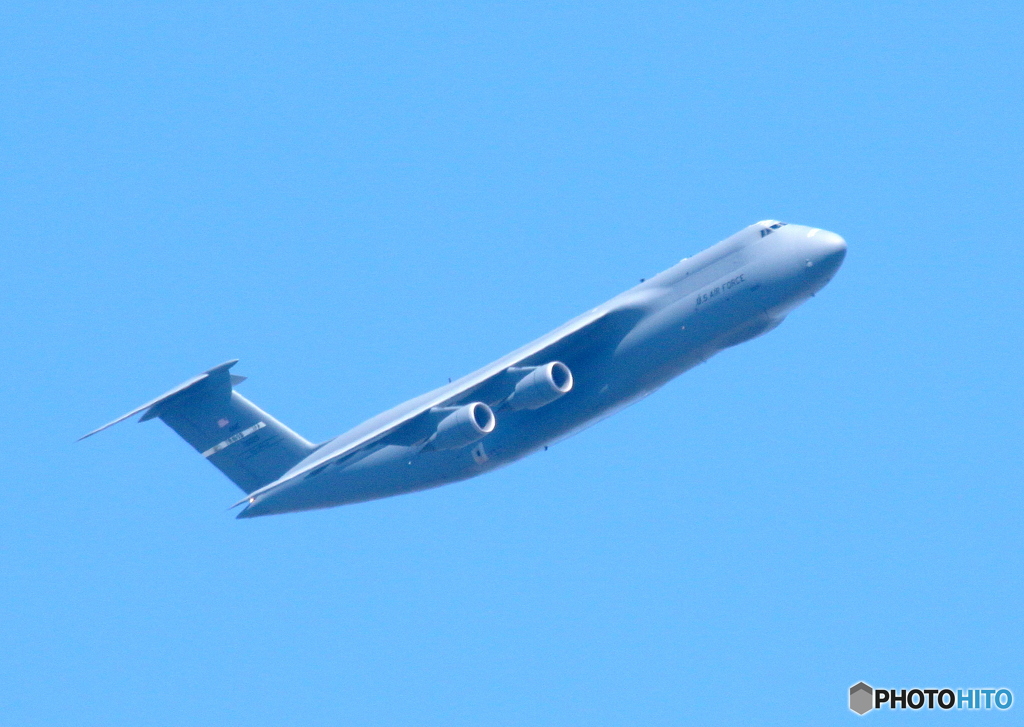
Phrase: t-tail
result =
(241, 440)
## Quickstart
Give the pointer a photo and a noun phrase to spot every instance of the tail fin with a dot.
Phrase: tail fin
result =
(244, 442)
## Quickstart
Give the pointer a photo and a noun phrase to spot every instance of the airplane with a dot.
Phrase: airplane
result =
(581, 372)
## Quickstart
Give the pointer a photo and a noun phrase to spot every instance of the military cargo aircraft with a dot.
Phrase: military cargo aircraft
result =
(581, 372)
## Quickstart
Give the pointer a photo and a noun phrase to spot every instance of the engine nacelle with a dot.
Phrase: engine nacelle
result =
(541, 386)
(463, 426)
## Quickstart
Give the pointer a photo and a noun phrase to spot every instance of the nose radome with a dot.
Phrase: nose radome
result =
(828, 247)
(827, 241)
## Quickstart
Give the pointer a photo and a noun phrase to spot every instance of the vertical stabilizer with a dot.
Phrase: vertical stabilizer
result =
(244, 442)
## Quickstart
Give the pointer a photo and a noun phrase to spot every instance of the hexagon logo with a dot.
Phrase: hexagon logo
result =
(861, 698)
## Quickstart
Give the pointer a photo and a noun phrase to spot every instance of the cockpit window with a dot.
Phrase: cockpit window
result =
(772, 227)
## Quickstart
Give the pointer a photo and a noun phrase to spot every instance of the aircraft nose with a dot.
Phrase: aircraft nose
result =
(827, 251)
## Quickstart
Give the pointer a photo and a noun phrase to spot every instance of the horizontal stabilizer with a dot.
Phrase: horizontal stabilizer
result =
(151, 405)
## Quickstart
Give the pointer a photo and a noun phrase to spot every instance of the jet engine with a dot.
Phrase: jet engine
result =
(541, 386)
(463, 426)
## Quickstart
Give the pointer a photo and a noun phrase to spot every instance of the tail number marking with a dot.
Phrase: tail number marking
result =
(234, 438)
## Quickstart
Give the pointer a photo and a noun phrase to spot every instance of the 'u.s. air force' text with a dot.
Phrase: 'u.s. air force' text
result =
(703, 298)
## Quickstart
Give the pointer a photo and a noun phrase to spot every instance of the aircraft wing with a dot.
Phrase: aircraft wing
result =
(565, 343)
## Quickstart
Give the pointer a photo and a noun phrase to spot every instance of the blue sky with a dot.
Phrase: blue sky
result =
(361, 200)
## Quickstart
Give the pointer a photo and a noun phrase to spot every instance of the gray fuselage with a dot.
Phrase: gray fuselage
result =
(729, 293)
